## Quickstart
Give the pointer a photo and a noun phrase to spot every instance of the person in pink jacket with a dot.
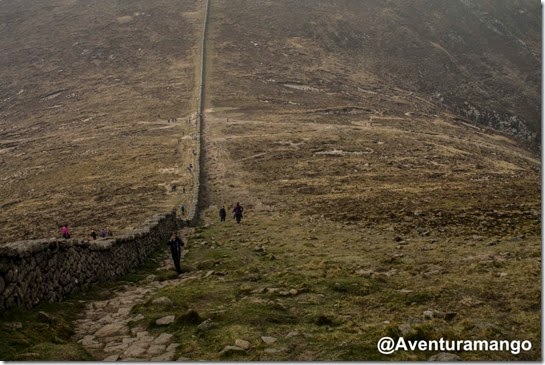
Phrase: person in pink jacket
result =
(65, 232)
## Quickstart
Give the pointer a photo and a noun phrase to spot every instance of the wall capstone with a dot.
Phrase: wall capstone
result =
(50, 269)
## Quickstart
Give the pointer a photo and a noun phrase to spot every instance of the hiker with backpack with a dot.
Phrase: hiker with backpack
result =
(238, 212)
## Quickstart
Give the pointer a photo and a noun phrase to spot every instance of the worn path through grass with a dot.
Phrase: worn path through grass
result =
(284, 287)
(281, 286)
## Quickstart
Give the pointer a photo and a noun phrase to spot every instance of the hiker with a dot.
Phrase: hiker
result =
(93, 234)
(176, 245)
(238, 212)
(102, 233)
(65, 232)
(108, 232)
(223, 214)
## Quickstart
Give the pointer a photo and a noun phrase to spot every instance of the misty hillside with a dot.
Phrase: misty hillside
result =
(480, 59)
(384, 151)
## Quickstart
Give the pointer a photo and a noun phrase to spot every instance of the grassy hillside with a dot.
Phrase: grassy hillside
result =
(372, 207)
(480, 58)
(88, 89)
(364, 192)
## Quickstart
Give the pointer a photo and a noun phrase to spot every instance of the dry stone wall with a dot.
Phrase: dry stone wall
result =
(50, 269)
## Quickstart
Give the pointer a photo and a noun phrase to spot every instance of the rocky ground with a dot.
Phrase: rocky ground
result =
(105, 333)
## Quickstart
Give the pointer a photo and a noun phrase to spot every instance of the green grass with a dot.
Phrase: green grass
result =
(338, 311)
(42, 337)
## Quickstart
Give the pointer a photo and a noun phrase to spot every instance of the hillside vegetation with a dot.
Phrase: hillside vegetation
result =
(377, 202)
(94, 101)
(480, 58)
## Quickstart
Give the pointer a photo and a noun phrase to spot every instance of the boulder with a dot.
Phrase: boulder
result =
(162, 301)
(206, 325)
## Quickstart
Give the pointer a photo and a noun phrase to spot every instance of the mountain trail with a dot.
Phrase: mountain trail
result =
(110, 332)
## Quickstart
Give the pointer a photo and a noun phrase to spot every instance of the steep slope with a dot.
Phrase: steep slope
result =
(383, 207)
(333, 117)
(481, 59)
(94, 103)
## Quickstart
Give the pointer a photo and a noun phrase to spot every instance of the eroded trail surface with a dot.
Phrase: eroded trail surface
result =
(111, 332)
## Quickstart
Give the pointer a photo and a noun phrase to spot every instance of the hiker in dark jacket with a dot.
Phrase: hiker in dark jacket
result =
(238, 212)
(223, 214)
(176, 245)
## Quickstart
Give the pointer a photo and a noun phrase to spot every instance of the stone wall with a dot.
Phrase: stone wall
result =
(50, 269)
(193, 216)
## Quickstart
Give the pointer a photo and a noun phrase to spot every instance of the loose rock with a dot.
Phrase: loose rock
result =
(292, 334)
(150, 278)
(113, 329)
(162, 301)
(206, 325)
(167, 356)
(165, 320)
(163, 339)
(136, 350)
(136, 318)
(156, 350)
(428, 314)
(406, 329)
(243, 344)
(268, 340)
(230, 350)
